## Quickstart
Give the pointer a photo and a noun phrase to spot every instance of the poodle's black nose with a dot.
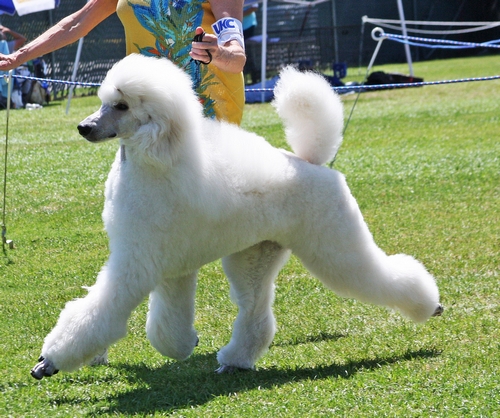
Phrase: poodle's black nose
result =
(84, 130)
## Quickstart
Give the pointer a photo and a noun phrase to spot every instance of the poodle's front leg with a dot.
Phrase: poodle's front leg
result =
(87, 326)
(171, 317)
(251, 274)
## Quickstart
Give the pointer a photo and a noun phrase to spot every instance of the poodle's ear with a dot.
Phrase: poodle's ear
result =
(170, 117)
(161, 139)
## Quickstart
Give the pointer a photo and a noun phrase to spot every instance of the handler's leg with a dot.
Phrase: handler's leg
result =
(171, 317)
(251, 274)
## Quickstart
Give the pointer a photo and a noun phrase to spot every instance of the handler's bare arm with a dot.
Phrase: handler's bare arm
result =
(67, 31)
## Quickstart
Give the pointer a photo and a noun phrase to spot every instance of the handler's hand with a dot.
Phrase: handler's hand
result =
(229, 57)
(7, 62)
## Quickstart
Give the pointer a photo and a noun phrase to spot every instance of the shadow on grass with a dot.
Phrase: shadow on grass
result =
(322, 336)
(194, 382)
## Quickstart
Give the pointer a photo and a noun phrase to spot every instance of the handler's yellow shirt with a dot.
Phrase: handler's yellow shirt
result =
(166, 28)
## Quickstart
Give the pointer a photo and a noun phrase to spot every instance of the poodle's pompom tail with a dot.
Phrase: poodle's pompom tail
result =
(312, 114)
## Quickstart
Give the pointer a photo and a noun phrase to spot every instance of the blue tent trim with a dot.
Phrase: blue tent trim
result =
(7, 7)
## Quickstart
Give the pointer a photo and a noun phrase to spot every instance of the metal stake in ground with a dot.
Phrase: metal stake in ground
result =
(4, 227)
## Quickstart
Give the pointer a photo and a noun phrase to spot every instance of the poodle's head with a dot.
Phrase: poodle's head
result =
(148, 103)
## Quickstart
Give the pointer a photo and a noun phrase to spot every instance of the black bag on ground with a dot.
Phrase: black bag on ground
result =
(381, 77)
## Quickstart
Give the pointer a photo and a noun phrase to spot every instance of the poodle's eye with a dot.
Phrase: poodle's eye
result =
(121, 106)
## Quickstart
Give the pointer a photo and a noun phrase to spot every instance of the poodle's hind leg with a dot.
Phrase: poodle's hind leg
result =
(397, 282)
(334, 243)
(171, 316)
(344, 256)
(251, 274)
(87, 326)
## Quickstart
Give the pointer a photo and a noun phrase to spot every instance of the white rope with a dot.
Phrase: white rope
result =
(391, 24)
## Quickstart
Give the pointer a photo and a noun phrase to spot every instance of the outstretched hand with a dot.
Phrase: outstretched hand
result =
(7, 62)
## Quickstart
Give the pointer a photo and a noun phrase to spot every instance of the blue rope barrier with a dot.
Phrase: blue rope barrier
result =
(48, 80)
(363, 87)
(445, 43)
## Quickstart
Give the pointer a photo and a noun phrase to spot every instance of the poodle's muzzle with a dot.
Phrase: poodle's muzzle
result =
(101, 125)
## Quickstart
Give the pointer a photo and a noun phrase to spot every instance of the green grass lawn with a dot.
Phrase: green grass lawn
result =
(424, 165)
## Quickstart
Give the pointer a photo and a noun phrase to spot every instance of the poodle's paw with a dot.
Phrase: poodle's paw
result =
(100, 360)
(439, 310)
(45, 368)
(230, 369)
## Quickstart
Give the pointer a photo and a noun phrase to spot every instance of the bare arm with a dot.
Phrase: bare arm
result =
(231, 56)
(67, 31)
(227, 8)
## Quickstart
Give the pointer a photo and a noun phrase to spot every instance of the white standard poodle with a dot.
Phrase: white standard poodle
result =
(185, 190)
